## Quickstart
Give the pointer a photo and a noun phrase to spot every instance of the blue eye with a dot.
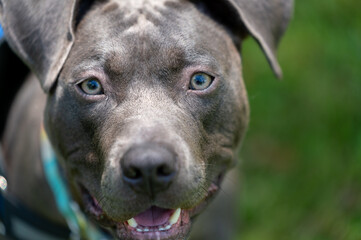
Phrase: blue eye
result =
(200, 81)
(91, 86)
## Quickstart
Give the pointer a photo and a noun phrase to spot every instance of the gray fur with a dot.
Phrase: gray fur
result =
(144, 54)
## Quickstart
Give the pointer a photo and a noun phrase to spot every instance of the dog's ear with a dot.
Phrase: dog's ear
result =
(264, 20)
(41, 33)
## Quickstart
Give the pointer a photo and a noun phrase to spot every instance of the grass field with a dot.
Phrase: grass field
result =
(301, 159)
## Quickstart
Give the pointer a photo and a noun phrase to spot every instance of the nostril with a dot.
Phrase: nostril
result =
(164, 171)
(133, 173)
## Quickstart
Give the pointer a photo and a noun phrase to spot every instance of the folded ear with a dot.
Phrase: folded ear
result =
(264, 20)
(41, 33)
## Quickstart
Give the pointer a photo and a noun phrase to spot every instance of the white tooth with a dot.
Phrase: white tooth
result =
(132, 223)
(146, 230)
(139, 230)
(175, 216)
(161, 229)
(167, 227)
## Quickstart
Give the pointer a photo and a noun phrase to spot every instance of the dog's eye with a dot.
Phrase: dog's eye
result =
(201, 81)
(91, 86)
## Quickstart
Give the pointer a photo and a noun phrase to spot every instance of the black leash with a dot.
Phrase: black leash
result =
(13, 214)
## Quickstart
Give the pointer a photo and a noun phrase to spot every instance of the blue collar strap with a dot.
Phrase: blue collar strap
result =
(1, 32)
(80, 227)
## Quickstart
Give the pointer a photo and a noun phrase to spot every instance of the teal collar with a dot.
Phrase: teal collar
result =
(79, 225)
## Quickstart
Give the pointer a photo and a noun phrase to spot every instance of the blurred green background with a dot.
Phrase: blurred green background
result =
(301, 158)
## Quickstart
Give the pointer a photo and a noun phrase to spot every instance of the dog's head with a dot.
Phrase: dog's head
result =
(146, 102)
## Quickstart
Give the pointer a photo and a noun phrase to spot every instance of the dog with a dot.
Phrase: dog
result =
(144, 105)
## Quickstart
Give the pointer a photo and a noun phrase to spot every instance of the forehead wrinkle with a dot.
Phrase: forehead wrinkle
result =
(145, 54)
(148, 5)
(116, 62)
(139, 15)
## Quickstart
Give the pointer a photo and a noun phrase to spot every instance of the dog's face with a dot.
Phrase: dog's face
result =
(146, 117)
(146, 103)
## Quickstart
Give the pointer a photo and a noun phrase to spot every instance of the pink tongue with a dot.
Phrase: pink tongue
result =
(153, 217)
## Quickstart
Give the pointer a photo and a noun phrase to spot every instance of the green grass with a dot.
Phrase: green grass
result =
(301, 159)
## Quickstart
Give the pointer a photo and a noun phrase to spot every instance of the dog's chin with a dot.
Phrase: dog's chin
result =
(154, 223)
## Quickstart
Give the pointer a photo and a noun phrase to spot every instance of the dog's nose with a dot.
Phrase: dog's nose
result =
(149, 168)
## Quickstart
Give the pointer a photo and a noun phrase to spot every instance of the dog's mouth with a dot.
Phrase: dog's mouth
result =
(153, 223)
(156, 223)
(154, 219)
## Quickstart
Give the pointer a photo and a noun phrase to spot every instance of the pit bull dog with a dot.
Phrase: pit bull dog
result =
(143, 103)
